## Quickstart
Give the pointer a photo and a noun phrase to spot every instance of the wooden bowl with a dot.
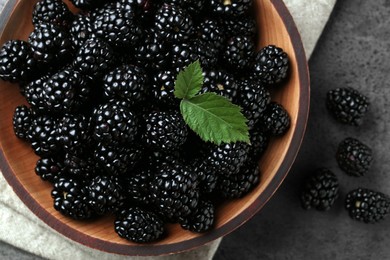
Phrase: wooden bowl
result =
(17, 159)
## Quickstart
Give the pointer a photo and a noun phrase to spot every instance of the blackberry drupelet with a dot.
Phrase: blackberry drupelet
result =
(116, 160)
(71, 198)
(163, 88)
(16, 61)
(22, 119)
(321, 190)
(201, 220)
(33, 92)
(165, 130)
(367, 205)
(347, 105)
(174, 191)
(136, 185)
(50, 168)
(105, 194)
(51, 11)
(221, 83)
(271, 65)
(51, 43)
(230, 8)
(127, 82)
(354, 157)
(236, 26)
(193, 7)
(239, 52)
(94, 58)
(238, 185)
(138, 225)
(80, 31)
(276, 120)
(114, 124)
(253, 99)
(173, 24)
(74, 131)
(183, 54)
(43, 135)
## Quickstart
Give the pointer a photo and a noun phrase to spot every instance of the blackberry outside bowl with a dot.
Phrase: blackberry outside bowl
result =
(17, 159)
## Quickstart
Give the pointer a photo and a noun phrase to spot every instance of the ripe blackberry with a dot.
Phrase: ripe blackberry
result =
(22, 120)
(238, 185)
(194, 7)
(174, 191)
(80, 164)
(221, 83)
(51, 11)
(201, 220)
(230, 8)
(33, 93)
(183, 54)
(367, 205)
(16, 61)
(163, 88)
(73, 131)
(243, 25)
(49, 169)
(136, 185)
(127, 82)
(71, 198)
(118, 27)
(239, 52)
(259, 142)
(347, 105)
(154, 160)
(80, 31)
(211, 32)
(165, 130)
(114, 124)
(116, 160)
(276, 120)
(320, 191)
(43, 135)
(253, 99)
(94, 58)
(61, 91)
(208, 55)
(271, 65)
(138, 225)
(173, 24)
(354, 157)
(105, 194)
(206, 176)
(89, 4)
(50, 43)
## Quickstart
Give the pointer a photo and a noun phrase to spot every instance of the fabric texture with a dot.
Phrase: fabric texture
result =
(21, 228)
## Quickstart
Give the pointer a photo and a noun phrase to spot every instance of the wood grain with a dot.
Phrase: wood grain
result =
(18, 160)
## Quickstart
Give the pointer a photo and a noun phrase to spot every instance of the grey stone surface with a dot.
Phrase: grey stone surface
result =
(353, 51)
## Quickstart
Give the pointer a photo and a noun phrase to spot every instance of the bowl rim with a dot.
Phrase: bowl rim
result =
(240, 219)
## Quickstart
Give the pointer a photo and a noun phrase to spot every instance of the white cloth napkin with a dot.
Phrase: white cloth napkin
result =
(21, 228)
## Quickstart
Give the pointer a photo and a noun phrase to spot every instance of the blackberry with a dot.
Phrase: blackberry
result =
(321, 190)
(165, 130)
(253, 98)
(174, 191)
(71, 198)
(230, 8)
(114, 124)
(73, 131)
(126, 82)
(154, 160)
(163, 88)
(118, 27)
(211, 33)
(354, 157)
(276, 120)
(33, 93)
(347, 105)
(43, 135)
(367, 205)
(183, 54)
(51, 11)
(116, 160)
(238, 185)
(144, 9)
(89, 4)
(80, 31)
(201, 220)
(259, 142)
(16, 61)
(221, 83)
(243, 25)
(94, 58)
(80, 164)
(105, 194)
(206, 176)
(138, 225)
(173, 24)
(207, 54)
(194, 7)
(49, 169)
(22, 120)
(271, 65)
(50, 43)
(136, 186)
(61, 91)
(239, 52)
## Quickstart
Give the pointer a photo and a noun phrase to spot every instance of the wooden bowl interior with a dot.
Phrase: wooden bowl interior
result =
(21, 158)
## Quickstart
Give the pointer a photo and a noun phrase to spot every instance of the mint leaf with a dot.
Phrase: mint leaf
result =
(189, 81)
(214, 118)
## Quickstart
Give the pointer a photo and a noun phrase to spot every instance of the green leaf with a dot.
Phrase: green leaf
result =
(189, 81)
(214, 118)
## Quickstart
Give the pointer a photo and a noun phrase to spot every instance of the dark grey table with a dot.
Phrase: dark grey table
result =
(353, 51)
